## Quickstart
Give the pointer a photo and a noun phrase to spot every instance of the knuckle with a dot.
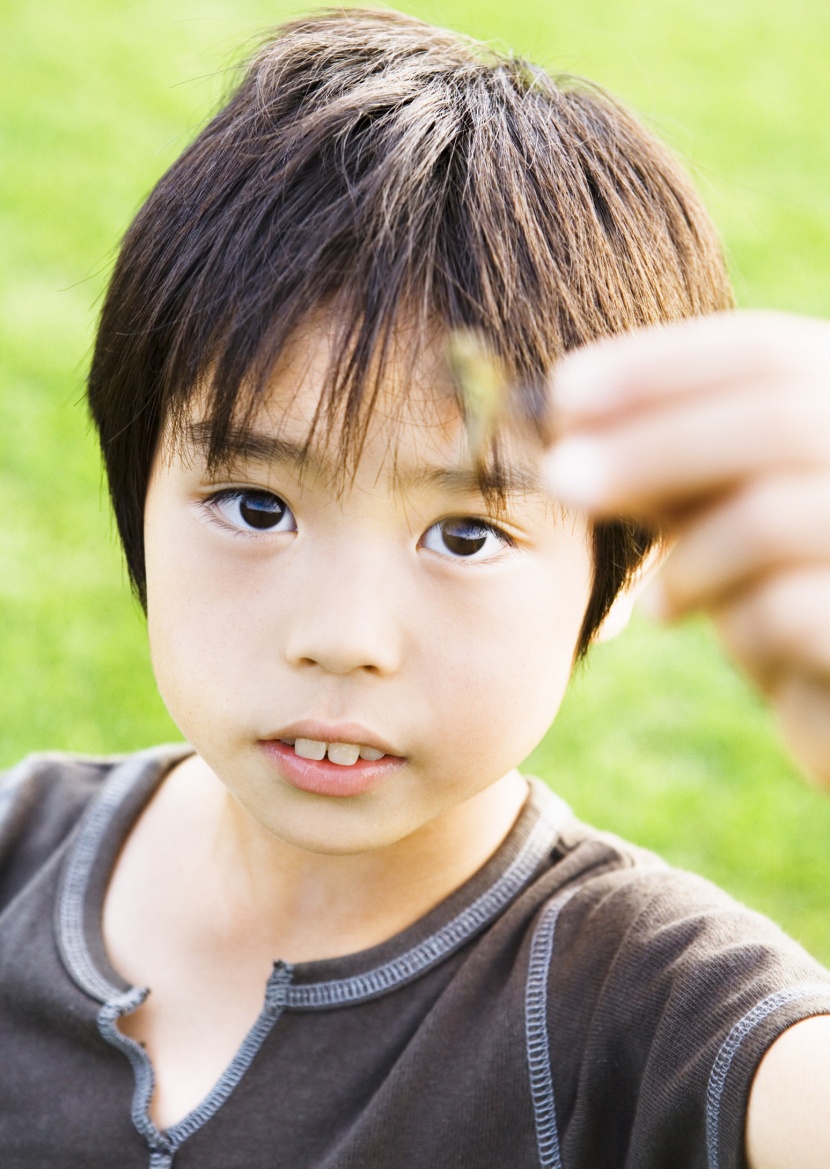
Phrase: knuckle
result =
(792, 618)
(782, 624)
(757, 520)
(799, 423)
(782, 520)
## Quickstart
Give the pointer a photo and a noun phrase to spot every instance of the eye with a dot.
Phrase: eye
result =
(253, 511)
(466, 539)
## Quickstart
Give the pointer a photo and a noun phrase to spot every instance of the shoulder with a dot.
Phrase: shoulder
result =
(610, 892)
(46, 792)
(43, 799)
(657, 941)
(660, 993)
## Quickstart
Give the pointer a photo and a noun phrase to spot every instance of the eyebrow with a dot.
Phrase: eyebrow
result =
(243, 444)
(248, 445)
(508, 480)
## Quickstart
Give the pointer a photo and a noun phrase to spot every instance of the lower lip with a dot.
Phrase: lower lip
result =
(324, 778)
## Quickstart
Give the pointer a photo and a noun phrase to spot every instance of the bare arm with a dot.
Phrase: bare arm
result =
(788, 1124)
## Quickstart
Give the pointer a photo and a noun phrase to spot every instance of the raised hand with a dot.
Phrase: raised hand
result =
(718, 430)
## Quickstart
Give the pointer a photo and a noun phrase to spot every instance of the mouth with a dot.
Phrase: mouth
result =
(332, 767)
(343, 754)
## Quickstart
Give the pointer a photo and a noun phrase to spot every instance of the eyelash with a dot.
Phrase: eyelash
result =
(471, 523)
(212, 505)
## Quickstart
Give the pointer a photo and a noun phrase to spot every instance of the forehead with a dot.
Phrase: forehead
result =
(404, 425)
(407, 398)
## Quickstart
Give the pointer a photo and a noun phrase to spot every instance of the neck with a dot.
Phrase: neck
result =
(304, 906)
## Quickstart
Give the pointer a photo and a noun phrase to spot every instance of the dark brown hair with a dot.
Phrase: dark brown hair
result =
(371, 165)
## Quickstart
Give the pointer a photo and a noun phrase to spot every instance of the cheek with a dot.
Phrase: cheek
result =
(206, 621)
(502, 664)
(207, 632)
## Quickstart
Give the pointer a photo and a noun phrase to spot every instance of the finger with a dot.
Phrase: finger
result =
(769, 525)
(802, 705)
(657, 462)
(780, 626)
(694, 357)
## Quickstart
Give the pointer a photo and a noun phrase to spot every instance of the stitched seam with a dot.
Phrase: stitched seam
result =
(275, 998)
(72, 895)
(537, 1038)
(449, 938)
(108, 1018)
(729, 1049)
(164, 1144)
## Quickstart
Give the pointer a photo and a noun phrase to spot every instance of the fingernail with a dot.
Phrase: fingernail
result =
(575, 472)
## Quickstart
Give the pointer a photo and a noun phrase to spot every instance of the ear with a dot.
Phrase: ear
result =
(620, 612)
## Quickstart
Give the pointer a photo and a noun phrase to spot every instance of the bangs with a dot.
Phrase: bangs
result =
(316, 404)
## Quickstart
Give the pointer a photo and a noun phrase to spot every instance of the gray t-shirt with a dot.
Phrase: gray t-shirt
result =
(575, 1004)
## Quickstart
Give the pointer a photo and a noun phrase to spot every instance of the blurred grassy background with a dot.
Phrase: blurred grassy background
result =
(659, 739)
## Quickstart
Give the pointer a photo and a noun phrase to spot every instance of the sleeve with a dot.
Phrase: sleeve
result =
(663, 996)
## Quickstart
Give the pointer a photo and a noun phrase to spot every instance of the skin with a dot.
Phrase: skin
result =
(719, 430)
(356, 611)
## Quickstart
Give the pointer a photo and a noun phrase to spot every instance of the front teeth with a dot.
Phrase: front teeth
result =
(310, 749)
(345, 754)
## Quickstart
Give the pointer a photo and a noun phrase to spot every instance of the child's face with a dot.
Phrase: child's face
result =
(396, 613)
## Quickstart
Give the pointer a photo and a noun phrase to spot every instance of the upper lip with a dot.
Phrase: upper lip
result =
(334, 733)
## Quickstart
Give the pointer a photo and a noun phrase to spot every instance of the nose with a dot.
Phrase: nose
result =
(348, 614)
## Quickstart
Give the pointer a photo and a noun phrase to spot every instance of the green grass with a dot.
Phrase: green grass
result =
(659, 739)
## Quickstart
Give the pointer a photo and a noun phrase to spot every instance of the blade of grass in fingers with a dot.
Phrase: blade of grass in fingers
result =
(488, 400)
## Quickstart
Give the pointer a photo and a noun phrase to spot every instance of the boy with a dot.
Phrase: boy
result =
(369, 941)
